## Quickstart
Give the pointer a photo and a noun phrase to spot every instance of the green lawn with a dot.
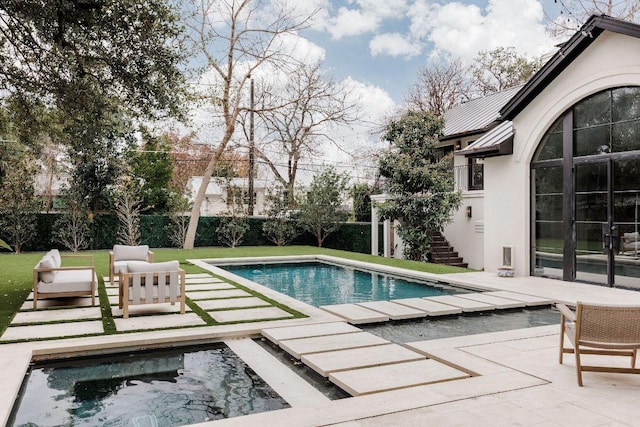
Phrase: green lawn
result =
(16, 271)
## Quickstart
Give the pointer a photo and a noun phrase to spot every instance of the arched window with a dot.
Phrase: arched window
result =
(586, 191)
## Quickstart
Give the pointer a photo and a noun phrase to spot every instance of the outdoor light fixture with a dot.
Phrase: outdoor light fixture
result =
(469, 213)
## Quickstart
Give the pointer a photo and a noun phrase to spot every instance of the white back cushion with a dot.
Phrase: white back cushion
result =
(55, 255)
(152, 267)
(132, 253)
(47, 262)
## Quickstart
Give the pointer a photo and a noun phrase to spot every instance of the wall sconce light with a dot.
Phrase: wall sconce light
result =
(469, 212)
(458, 145)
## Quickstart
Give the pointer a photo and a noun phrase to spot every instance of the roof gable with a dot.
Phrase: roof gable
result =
(573, 48)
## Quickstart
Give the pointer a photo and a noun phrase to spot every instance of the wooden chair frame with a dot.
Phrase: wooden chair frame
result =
(603, 330)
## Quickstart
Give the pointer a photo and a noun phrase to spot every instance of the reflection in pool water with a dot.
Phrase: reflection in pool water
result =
(160, 388)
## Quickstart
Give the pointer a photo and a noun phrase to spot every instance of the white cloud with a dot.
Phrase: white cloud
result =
(463, 29)
(364, 16)
(393, 44)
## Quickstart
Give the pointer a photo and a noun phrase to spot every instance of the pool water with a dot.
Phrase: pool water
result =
(319, 284)
(150, 388)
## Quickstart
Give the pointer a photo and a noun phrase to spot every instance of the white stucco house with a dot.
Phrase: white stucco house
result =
(550, 171)
(217, 199)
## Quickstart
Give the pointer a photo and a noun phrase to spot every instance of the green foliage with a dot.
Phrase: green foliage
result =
(361, 195)
(321, 210)
(71, 229)
(122, 49)
(18, 203)
(232, 229)
(279, 227)
(422, 187)
(502, 68)
(153, 167)
(128, 206)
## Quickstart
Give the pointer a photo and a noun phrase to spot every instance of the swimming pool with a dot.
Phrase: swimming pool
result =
(319, 283)
(170, 387)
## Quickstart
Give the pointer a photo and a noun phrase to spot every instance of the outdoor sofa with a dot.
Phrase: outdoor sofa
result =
(52, 280)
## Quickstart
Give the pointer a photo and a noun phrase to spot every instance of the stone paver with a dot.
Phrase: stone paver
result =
(356, 358)
(249, 314)
(208, 286)
(301, 346)
(227, 303)
(466, 305)
(52, 331)
(432, 308)
(149, 309)
(528, 299)
(228, 293)
(499, 302)
(304, 331)
(355, 314)
(394, 311)
(62, 302)
(134, 323)
(57, 315)
(390, 377)
(195, 280)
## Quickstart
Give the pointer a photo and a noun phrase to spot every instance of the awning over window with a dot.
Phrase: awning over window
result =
(497, 142)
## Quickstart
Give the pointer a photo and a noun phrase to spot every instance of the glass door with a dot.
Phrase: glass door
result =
(607, 222)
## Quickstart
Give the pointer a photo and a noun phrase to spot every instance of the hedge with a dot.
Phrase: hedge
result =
(352, 236)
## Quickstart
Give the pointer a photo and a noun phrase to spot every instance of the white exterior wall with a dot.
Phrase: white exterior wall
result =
(612, 60)
(466, 235)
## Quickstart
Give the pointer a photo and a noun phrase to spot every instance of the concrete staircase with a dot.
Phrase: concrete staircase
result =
(443, 253)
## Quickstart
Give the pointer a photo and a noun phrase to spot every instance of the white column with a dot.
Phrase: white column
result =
(387, 238)
(374, 228)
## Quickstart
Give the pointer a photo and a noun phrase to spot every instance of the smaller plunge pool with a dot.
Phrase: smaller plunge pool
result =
(159, 388)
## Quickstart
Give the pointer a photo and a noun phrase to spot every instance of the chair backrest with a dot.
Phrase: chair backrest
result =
(608, 323)
(130, 253)
(160, 285)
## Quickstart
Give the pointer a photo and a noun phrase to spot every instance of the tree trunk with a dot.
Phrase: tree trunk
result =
(190, 237)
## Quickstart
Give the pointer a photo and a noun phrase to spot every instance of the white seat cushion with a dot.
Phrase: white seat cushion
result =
(68, 281)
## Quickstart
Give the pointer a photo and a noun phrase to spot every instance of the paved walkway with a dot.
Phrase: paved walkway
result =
(506, 378)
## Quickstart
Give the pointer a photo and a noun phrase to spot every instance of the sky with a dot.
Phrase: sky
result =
(377, 47)
(383, 43)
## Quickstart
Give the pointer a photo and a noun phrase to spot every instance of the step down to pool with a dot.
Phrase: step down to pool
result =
(431, 308)
(395, 376)
(465, 304)
(306, 331)
(357, 358)
(393, 310)
(530, 300)
(355, 314)
(498, 302)
(302, 346)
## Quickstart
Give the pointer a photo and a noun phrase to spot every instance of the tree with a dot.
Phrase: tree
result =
(179, 219)
(297, 117)
(72, 229)
(18, 202)
(574, 13)
(500, 69)
(422, 187)
(153, 167)
(321, 210)
(128, 206)
(440, 86)
(65, 52)
(279, 227)
(233, 225)
(361, 195)
(234, 45)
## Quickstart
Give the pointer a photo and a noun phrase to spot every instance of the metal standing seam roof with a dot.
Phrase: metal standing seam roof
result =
(476, 115)
(491, 143)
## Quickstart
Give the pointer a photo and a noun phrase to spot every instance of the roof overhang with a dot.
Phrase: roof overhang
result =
(497, 142)
(586, 35)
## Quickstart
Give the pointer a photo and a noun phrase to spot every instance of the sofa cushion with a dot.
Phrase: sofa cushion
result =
(69, 281)
(130, 253)
(139, 267)
(121, 266)
(57, 259)
(47, 276)
(631, 237)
